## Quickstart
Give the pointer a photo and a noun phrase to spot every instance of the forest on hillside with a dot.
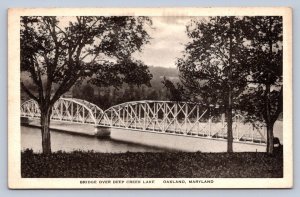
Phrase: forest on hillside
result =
(105, 97)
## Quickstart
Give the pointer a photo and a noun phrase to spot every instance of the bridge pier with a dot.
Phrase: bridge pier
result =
(102, 131)
(24, 121)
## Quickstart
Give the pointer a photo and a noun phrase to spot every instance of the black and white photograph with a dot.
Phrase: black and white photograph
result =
(150, 98)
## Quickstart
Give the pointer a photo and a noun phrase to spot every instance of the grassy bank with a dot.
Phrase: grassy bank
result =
(155, 165)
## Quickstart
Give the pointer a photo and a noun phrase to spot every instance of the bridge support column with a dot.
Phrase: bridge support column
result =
(24, 121)
(102, 132)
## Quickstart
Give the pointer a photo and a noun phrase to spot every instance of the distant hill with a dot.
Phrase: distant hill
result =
(155, 92)
(162, 71)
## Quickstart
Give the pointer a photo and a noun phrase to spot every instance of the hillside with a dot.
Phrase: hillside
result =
(107, 96)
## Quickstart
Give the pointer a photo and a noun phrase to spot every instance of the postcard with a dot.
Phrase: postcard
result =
(150, 98)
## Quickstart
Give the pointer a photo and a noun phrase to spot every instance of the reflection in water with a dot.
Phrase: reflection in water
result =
(31, 138)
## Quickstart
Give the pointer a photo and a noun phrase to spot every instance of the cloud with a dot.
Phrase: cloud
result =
(168, 38)
(167, 43)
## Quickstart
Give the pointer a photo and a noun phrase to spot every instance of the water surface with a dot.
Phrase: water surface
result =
(31, 138)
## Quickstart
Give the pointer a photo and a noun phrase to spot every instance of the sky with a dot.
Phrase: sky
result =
(168, 36)
(167, 44)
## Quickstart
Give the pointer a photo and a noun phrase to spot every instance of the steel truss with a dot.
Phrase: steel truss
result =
(66, 109)
(176, 118)
(179, 118)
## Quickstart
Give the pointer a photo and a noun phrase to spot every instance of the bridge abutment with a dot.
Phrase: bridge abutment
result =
(102, 131)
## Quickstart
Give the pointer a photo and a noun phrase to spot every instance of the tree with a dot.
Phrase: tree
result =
(57, 52)
(153, 95)
(85, 92)
(174, 93)
(212, 66)
(265, 72)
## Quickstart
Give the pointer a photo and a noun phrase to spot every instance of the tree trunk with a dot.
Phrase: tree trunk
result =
(229, 123)
(270, 138)
(229, 104)
(45, 123)
(268, 118)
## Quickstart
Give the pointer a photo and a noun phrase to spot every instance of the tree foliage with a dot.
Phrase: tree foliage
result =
(266, 63)
(213, 59)
(212, 68)
(175, 92)
(236, 62)
(98, 47)
(60, 51)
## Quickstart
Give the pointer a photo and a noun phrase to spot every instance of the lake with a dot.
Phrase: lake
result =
(123, 140)
(31, 138)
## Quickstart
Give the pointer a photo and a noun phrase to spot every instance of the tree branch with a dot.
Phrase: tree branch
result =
(66, 85)
(28, 92)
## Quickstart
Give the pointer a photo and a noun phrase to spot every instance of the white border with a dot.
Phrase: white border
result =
(14, 172)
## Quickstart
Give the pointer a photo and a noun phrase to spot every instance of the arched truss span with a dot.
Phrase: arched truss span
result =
(178, 118)
(65, 109)
(30, 109)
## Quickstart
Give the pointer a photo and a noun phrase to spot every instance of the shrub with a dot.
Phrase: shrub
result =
(156, 165)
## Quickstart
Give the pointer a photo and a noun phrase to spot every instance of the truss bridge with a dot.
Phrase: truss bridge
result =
(164, 117)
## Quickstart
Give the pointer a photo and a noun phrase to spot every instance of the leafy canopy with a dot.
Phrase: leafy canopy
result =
(62, 50)
(214, 59)
(265, 63)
